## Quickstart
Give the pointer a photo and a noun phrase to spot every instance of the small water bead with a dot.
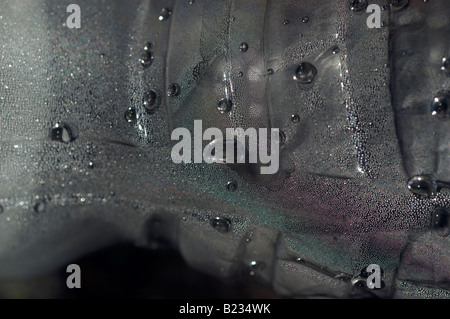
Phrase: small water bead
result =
(231, 186)
(422, 185)
(240, 74)
(62, 133)
(305, 73)
(130, 114)
(225, 105)
(232, 18)
(285, 22)
(440, 105)
(147, 46)
(243, 47)
(295, 118)
(146, 59)
(222, 225)
(39, 206)
(305, 19)
(270, 71)
(173, 90)
(336, 50)
(446, 65)
(151, 101)
(165, 14)
(90, 165)
(191, 1)
(397, 5)
(257, 265)
(358, 5)
(441, 221)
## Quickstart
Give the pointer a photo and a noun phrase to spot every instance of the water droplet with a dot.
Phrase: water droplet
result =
(240, 74)
(216, 151)
(232, 18)
(257, 265)
(243, 47)
(270, 71)
(441, 221)
(191, 1)
(39, 206)
(305, 73)
(231, 186)
(286, 21)
(91, 165)
(224, 105)
(397, 5)
(295, 118)
(222, 225)
(62, 133)
(343, 277)
(422, 185)
(165, 14)
(359, 282)
(358, 5)
(305, 19)
(148, 46)
(446, 64)
(151, 101)
(130, 114)
(146, 59)
(336, 50)
(440, 105)
(173, 90)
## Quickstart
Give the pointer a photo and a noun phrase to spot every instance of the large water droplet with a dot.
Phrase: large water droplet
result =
(358, 5)
(225, 105)
(173, 90)
(151, 101)
(216, 151)
(130, 114)
(62, 133)
(222, 225)
(305, 73)
(423, 185)
(165, 14)
(397, 5)
(440, 105)
(441, 221)
(243, 47)
(231, 186)
(359, 282)
(146, 59)
(445, 66)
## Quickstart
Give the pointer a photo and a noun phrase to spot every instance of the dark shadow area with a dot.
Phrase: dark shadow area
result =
(126, 271)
